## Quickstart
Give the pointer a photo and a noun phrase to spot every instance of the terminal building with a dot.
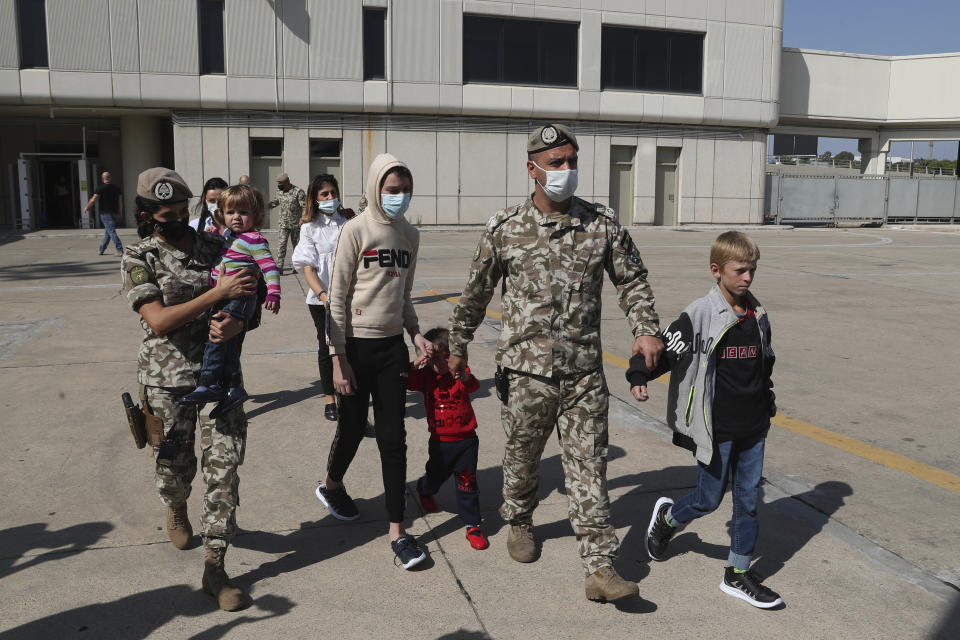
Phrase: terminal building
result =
(672, 100)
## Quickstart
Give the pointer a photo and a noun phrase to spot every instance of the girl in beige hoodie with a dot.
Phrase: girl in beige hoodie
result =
(370, 307)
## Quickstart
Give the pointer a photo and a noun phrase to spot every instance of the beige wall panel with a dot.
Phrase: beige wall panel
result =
(451, 41)
(9, 86)
(687, 173)
(682, 109)
(336, 45)
(35, 86)
(169, 36)
(216, 156)
(251, 93)
(589, 105)
(586, 168)
(731, 211)
(351, 163)
(126, 89)
(124, 35)
(295, 94)
(213, 92)
(250, 48)
(164, 90)
(448, 211)
(9, 42)
(411, 97)
(294, 28)
(748, 11)
(704, 181)
(732, 169)
(703, 210)
(521, 102)
(296, 156)
(601, 160)
(416, 58)
(590, 30)
(714, 46)
(483, 159)
(375, 96)
(419, 149)
(423, 209)
(490, 100)
(519, 184)
(238, 148)
(696, 9)
(448, 163)
(372, 144)
(77, 35)
(643, 209)
(920, 89)
(556, 103)
(478, 209)
(451, 99)
(743, 68)
(77, 87)
(188, 156)
(337, 94)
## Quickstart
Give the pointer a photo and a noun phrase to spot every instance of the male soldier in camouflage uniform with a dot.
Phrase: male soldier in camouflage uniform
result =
(292, 201)
(166, 279)
(551, 252)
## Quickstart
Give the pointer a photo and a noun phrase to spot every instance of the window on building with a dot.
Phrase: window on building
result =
(374, 43)
(211, 36)
(32, 19)
(513, 51)
(651, 60)
(325, 158)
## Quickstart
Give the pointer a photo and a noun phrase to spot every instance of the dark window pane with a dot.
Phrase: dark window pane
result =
(324, 148)
(211, 36)
(651, 60)
(266, 147)
(32, 16)
(374, 44)
(515, 51)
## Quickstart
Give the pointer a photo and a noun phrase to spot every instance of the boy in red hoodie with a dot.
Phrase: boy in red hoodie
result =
(453, 434)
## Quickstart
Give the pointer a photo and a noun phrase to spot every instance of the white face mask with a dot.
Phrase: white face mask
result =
(211, 206)
(329, 207)
(560, 184)
(395, 204)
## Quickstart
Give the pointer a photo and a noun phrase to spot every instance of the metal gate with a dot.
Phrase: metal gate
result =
(870, 199)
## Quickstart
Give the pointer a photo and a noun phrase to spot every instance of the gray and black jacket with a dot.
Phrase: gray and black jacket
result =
(689, 356)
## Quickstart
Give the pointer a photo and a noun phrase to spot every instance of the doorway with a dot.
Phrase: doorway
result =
(266, 163)
(57, 195)
(621, 182)
(665, 211)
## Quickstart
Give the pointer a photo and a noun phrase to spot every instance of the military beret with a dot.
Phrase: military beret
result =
(282, 178)
(550, 136)
(162, 185)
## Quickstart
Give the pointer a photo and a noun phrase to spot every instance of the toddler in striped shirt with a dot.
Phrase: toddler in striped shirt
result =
(241, 212)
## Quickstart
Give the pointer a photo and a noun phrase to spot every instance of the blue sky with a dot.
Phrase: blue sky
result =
(880, 27)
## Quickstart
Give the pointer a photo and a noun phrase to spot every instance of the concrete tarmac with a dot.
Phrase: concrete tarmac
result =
(858, 547)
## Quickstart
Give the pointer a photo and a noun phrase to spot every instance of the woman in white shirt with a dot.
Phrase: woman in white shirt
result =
(208, 204)
(319, 233)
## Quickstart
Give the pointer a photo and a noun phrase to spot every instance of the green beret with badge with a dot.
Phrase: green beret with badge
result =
(550, 136)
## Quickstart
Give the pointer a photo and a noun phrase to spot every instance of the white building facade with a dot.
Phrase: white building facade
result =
(671, 100)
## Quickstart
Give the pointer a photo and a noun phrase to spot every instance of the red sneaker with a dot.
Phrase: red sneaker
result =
(476, 538)
(427, 502)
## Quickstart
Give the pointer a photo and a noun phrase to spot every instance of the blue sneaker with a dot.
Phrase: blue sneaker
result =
(407, 551)
(236, 397)
(203, 395)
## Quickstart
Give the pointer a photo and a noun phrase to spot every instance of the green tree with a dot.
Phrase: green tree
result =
(844, 156)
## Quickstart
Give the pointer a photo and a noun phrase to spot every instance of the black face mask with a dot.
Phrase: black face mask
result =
(173, 231)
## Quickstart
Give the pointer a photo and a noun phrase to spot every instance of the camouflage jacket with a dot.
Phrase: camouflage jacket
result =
(292, 204)
(155, 270)
(553, 277)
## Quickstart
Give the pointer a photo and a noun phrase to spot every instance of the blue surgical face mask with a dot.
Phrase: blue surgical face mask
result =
(328, 207)
(395, 204)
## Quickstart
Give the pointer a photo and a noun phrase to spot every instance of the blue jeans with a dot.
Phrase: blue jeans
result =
(109, 221)
(743, 459)
(221, 360)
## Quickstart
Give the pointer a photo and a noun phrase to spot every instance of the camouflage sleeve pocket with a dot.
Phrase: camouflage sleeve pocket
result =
(138, 283)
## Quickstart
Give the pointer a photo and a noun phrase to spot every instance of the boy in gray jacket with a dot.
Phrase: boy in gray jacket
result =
(719, 405)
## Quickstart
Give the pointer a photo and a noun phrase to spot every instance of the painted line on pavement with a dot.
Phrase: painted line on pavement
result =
(920, 470)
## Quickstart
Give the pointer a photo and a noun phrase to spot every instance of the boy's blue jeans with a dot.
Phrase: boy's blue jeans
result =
(221, 360)
(743, 459)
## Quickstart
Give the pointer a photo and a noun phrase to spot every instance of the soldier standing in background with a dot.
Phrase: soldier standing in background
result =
(292, 200)
(166, 280)
(551, 252)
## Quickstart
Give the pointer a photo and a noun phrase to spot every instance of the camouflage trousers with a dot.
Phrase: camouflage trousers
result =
(222, 446)
(285, 233)
(577, 406)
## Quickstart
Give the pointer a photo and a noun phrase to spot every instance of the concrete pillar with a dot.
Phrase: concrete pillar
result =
(140, 149)
(873, 156)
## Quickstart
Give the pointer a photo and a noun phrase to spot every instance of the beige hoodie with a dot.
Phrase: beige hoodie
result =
(373, 270)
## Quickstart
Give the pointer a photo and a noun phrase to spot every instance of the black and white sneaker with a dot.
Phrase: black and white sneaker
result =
(747, 586)
(338, 502)
(407, 551)
(659, 530)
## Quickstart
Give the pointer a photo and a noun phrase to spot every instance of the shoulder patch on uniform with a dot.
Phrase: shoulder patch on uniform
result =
(139, 275)
(604, 211)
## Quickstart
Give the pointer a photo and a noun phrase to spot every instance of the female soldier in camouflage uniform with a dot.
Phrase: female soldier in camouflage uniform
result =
(166, 279)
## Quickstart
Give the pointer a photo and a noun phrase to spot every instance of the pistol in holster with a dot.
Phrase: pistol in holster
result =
(145, 427)
(502, 384)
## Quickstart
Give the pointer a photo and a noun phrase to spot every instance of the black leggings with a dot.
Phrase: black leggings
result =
(380, 366)
(319, 313)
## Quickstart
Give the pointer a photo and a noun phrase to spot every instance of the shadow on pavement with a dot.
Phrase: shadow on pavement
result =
(949, 624)
(464, 634)
(17, 541)
(139, 615)
(49, 270)
(280, 399)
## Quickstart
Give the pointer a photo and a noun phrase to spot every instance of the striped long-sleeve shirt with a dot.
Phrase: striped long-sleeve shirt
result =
(243, 250)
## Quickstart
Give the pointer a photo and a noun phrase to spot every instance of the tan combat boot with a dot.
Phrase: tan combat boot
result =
(178, 526)
(606, 585)
(520, 543)
(217, 583)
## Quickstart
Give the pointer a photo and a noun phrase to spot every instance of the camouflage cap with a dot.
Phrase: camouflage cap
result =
(282, 178)
(162, 185)
(550, 136)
